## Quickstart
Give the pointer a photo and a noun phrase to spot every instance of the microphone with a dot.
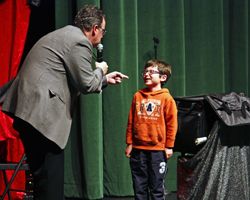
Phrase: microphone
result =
(99, 57)
(156, 40)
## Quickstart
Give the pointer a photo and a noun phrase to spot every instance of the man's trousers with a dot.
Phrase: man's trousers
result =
(46, 161)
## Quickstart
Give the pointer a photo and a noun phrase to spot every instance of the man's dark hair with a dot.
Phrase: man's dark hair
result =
(88, 16)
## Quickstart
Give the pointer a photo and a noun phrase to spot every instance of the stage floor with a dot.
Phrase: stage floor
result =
(170, 196)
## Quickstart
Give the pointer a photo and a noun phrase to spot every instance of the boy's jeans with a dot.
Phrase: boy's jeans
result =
(148, 170)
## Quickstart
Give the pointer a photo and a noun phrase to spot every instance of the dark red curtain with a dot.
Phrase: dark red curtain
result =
(14, 22)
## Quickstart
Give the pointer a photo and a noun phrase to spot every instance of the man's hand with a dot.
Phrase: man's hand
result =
(103, 65)
(115, 77)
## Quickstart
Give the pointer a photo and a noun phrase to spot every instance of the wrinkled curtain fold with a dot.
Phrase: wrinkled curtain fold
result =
(14, 17)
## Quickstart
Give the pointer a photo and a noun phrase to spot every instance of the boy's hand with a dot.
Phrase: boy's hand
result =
(169, 152)
(128, 150)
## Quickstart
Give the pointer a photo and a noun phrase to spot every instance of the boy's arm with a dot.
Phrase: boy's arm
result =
(129, 128)
(129, 131)
(171, 124)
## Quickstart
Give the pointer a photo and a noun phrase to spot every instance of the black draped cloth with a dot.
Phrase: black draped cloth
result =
(221, 169)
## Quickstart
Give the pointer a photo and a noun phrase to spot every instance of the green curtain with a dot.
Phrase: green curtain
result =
(205, 41)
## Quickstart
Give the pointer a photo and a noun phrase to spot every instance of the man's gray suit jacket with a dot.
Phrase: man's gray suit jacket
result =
(55, 71)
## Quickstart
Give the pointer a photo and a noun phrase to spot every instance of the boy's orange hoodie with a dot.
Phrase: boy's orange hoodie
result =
(152, 121)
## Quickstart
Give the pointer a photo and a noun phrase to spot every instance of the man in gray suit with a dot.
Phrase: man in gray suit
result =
(42, 97)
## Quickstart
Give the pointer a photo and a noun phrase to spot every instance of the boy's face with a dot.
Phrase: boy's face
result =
(152, 77)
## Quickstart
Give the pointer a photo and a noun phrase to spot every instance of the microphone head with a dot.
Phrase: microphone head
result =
(99, 52)
(100, 47)
(156, 40)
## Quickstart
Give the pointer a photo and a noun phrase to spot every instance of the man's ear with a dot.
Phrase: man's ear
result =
(94, 29)
(163, 78)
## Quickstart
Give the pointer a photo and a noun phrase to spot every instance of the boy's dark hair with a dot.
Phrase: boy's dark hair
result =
(88, 16)
(163, 67)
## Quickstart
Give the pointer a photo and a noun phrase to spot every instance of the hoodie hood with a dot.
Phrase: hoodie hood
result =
(146, 92)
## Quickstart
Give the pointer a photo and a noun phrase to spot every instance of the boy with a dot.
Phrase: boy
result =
(151, 130)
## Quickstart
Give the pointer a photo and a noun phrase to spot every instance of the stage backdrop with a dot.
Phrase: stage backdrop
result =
(206, 42)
